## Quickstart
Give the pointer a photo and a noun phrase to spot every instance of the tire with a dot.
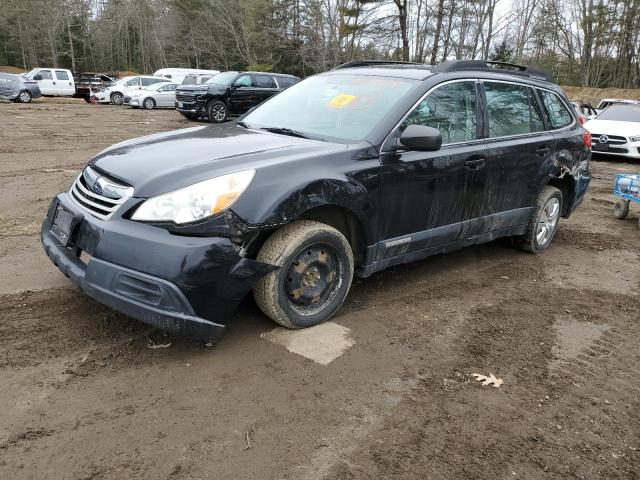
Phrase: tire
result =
(149, 103)
(217, 111)
(24, 97)
(309, 292)
(547, 211)
(621, 209)
(117, 98)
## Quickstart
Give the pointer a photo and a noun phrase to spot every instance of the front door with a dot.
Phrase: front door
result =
(46, 82)
(426, 200)
(244, 95)
(167, 95)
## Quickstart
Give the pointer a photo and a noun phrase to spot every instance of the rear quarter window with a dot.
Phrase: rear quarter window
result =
(285, 82)
(263, 81)
(556, 111)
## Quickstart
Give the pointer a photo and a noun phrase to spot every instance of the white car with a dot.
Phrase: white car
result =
(53, 82)
(153, 96)
(616, 131)
(178, 74)
(115, 93)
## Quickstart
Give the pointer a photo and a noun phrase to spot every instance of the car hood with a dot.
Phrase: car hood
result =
(613, 127)
(164, 162)
(201, 88)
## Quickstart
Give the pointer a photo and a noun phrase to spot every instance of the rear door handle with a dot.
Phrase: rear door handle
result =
(475, 163)
(542, 150)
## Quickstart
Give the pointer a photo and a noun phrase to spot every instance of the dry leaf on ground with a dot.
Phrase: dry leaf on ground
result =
(490, 380)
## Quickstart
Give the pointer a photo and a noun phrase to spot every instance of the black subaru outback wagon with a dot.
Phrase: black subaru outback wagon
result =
(348, 172)
(229, 93)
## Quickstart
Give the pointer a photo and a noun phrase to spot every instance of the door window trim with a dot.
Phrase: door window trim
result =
(415, 105)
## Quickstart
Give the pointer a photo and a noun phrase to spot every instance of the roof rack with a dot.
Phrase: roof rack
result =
(504, 67)
(373, 63)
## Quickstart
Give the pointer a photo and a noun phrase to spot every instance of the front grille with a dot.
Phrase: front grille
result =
(102, 205)
(185, 97)
(613, 139)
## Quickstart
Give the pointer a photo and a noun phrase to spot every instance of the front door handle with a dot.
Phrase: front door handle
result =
(54, 83)
(542, 150)
(475, 163)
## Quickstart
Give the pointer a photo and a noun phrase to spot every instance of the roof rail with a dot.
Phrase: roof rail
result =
(372, 63)
(504, 67)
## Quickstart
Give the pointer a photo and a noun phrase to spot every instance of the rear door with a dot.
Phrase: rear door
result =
(167, 95)
(519, 147)
(265, 86)
(46, 82)
(64, 83)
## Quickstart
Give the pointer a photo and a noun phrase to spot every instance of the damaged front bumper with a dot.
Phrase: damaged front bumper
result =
(188, 285)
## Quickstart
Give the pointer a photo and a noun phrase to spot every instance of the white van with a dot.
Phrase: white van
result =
(53, 81)
(178, 74)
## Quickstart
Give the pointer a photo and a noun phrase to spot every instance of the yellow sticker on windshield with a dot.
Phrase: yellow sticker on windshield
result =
(341, 100)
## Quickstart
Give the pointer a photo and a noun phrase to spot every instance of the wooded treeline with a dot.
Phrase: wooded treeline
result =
(584, 42)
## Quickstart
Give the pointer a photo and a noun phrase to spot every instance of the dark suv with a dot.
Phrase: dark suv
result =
(229, 93)
(348, 172)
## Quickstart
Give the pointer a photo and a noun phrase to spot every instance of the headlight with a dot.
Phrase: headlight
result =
(197, 201)
(634, 139)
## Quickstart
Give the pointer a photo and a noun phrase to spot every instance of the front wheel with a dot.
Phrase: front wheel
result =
(24, 96)
(116, 98)
(315, 274)
(543, 222)
(621, 209)
(217, 111)
(149, 103)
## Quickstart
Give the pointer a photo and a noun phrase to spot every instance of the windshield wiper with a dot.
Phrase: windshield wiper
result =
(242, 123)
(285, 131)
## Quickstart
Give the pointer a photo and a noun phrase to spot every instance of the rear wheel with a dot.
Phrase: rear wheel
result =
(315, 274)
(543, 222)
(24, 96)
(621, 209)
(217, 111)
(149, 103)
(116, 98)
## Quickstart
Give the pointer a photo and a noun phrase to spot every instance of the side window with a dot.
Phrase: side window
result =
(512, 110)
(243, 81)
(44, 75)
(204, 78)
(149, 81)
(62, 75)
(557, 113)
(169, 88)
(263, 81)
(451, 109)
(133, 81)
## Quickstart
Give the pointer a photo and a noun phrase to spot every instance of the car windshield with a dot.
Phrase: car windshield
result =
(31, 73)
(223, 79)
(621, 113)
(332, 107)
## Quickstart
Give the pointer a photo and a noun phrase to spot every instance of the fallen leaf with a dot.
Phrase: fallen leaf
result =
(490, 380)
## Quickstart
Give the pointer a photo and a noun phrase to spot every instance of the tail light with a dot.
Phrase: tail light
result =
(586, 138)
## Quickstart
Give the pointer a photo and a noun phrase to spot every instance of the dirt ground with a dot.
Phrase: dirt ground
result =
(83, 397)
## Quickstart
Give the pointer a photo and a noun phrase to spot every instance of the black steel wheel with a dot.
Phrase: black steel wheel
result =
(621, 209)
(315, 274)
(217, 111)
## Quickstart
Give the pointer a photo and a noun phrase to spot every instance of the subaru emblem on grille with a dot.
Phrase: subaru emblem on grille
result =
(603, 139)
(96, 187)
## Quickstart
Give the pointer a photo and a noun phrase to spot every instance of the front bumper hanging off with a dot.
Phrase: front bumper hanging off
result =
(187, 285)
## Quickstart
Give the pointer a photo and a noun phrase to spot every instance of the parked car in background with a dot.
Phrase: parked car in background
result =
(88, 82)
(154, 96)
(605, 102)
(178, 74)
(18, 88)
(585, 112)
(53, 82)
(616, 131)
(229, 93)
(196, 79)
(115, 93)
(346, 173)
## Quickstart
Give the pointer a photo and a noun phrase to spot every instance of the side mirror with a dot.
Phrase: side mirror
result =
(421, 137)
